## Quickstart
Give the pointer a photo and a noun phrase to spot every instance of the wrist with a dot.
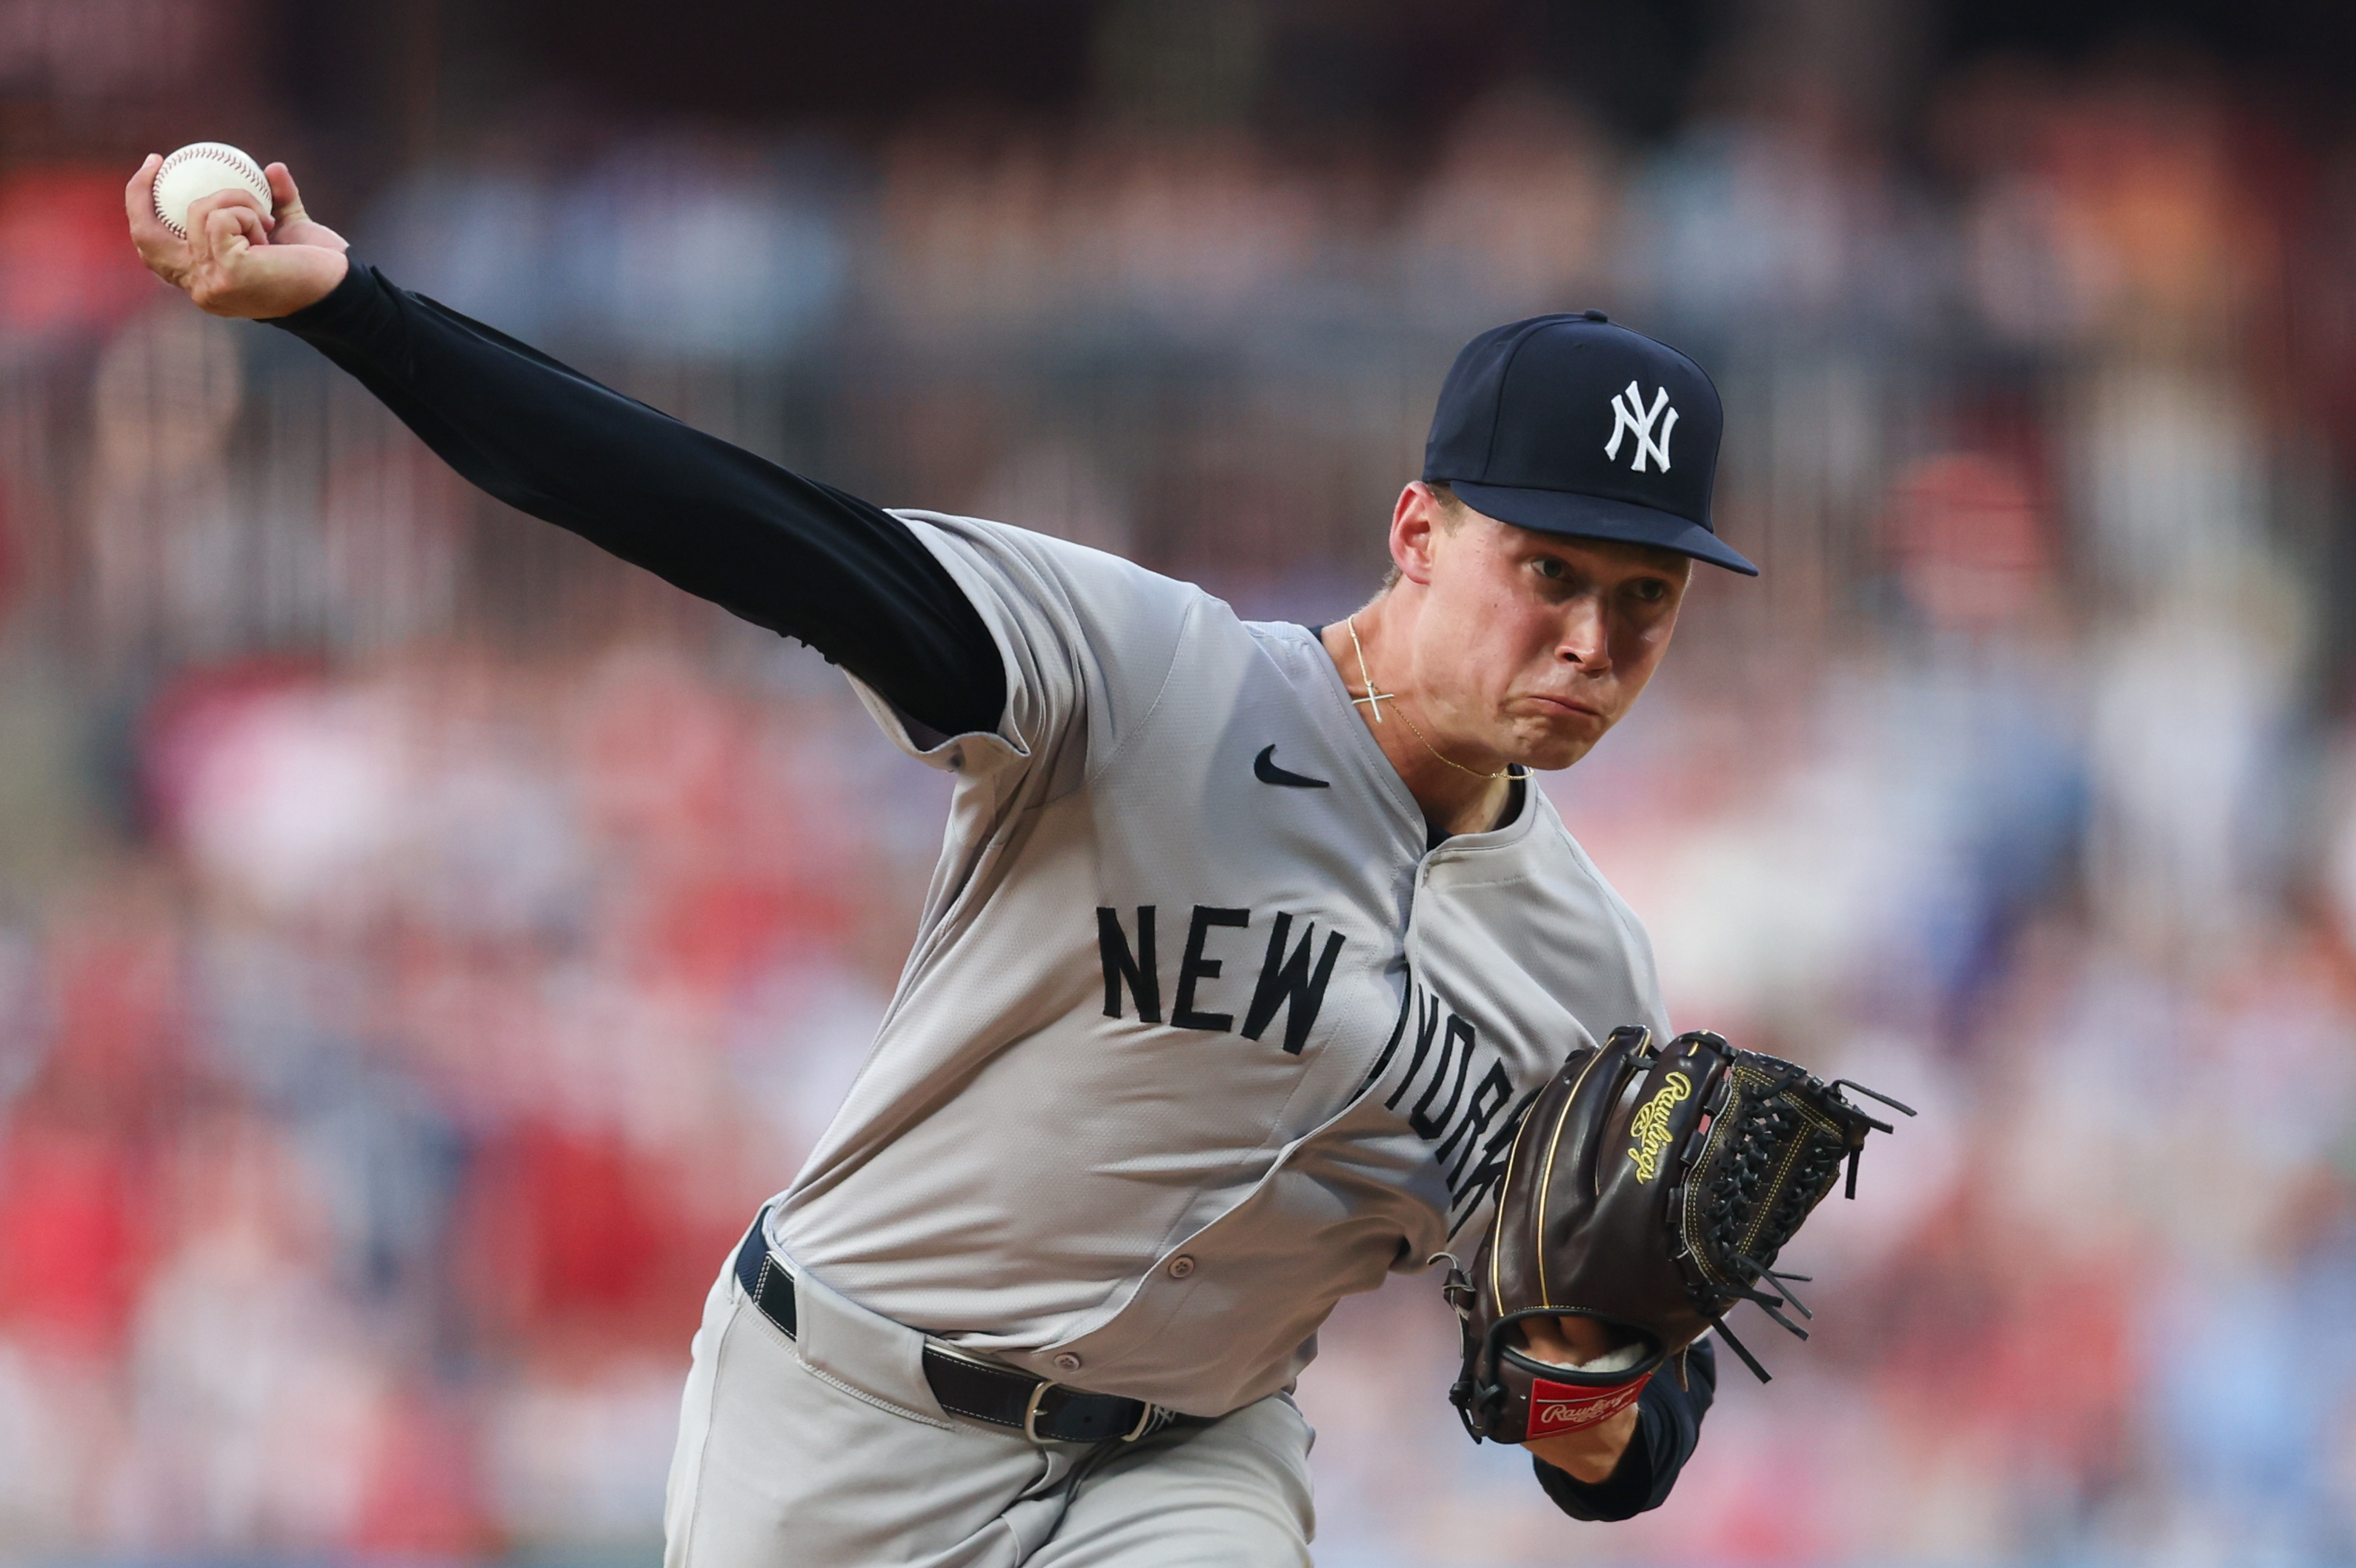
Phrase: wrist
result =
(321, 272)
(1589, 1455)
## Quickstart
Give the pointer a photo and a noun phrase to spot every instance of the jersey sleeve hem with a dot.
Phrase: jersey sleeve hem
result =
(967, 751)
(970, 751)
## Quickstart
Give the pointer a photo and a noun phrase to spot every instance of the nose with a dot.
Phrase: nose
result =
(1585, 641)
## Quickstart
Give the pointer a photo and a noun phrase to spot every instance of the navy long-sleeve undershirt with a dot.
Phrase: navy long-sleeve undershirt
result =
(801, 558)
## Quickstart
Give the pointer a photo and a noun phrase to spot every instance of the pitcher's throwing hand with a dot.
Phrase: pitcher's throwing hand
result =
(238, 261)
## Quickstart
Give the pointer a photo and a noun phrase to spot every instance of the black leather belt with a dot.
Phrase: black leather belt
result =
(1040, 1410)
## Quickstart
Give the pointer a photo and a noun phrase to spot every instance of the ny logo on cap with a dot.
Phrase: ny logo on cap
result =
(1631, 415)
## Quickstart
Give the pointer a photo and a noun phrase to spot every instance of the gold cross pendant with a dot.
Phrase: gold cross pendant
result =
(1374, 699)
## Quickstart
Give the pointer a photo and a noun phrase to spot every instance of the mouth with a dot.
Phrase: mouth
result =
(1565, 707)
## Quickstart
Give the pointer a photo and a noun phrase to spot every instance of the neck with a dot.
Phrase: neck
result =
(1454, 799)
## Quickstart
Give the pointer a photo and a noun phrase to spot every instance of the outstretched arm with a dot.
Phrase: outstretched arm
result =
(785, 552)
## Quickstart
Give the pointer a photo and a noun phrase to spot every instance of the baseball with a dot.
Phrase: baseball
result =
(197, 170)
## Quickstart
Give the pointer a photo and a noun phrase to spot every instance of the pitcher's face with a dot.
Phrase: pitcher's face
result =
(1530, 646)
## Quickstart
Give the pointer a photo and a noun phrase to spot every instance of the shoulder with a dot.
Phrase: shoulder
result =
(1026, 583)
(1054, 571)
(1031, 586)
(1082, 632)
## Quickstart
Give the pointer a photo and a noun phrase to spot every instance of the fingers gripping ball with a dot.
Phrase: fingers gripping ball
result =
(196, 171)
(1651, 1190)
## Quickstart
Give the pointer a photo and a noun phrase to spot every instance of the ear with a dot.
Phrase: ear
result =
(1416, 530)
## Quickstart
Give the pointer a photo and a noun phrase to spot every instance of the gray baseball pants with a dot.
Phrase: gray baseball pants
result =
(829, 1448)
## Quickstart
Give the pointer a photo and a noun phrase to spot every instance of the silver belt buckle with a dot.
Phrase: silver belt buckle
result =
(1031, 1412)
(1031, 1416)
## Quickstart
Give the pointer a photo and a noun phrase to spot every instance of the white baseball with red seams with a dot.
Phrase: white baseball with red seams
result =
(196, 171)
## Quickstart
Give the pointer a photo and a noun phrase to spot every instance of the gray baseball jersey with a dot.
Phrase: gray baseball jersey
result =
(1198, 1035)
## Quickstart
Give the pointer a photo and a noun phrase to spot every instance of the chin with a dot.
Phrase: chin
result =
(1555, 756)
(1556, 747)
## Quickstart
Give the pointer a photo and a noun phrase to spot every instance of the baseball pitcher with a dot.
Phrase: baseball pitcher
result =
(1250, 947)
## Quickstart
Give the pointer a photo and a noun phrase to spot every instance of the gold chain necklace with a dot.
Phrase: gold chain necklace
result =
(1374, 699)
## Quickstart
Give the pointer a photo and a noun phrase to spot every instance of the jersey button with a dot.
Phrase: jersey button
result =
(1181, 1267)
(1067, 1362)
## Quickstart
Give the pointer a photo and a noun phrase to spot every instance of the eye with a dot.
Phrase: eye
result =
(1548, 566)
(1649, 590)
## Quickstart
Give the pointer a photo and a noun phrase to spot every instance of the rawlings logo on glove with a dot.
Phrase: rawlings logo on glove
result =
(1651, 1126)
(1558, 1407)
(1727, 1153)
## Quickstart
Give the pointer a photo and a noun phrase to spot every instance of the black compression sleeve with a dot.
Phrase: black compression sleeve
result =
(785, 552)
(1667, 1428)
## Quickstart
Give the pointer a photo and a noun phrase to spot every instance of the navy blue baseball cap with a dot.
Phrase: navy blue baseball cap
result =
(1571, 425)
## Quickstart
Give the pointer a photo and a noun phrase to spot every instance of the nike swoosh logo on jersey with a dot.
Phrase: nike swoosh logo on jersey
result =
(1264, 769)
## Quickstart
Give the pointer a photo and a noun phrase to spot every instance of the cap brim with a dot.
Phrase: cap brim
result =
(1595, 518)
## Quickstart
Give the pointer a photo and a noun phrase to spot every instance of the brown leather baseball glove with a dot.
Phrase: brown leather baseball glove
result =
(1651, 1190)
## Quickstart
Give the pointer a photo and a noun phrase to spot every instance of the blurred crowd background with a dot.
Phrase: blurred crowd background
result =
(423, 943)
